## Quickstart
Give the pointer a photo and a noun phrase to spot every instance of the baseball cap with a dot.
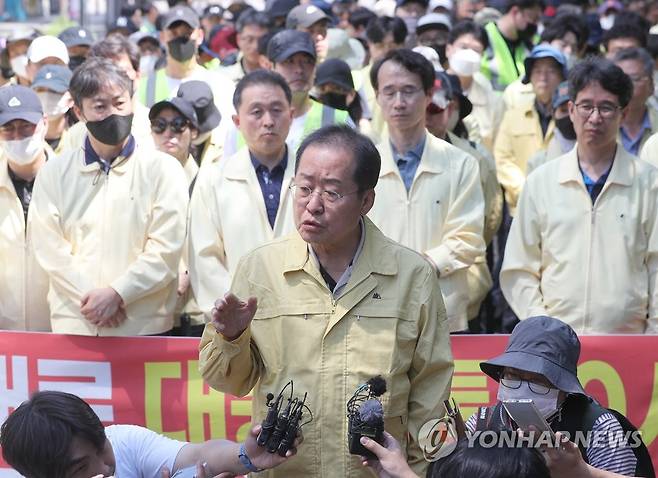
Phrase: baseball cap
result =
(200, 96)
(47, 46)
(445, 4)
(53, 77)
(433, 20)
(543, 51)
(178, 103)
(610, 5)
(139, 37)
(19, 102)
(288, 42)
(123, 25)
(304, 16)
(334, 70)
(22, 32)
(561, 94)
(399, 3)
(181, 13)
(348, 49)
(447, 88)
(213, 11)
(279, 8)
(76, 36)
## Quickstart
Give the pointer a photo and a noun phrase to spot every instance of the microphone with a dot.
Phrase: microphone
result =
(366, 416)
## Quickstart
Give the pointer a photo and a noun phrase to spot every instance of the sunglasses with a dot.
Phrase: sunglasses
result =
(176, 125)
(433, 109)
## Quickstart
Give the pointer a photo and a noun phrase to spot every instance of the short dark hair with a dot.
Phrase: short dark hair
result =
(260, 77)
(379, 27)
(652, 45)
(605, 73)
(363, 151)
(264, 41)
(94, 74)
(411, 61)
(465, 27)
(115, 45)
(637, 54)
(252, 17)
(360, 17)
(36, 438)
(523, 4)
(563, 24)
(625, 29)
(490, 462)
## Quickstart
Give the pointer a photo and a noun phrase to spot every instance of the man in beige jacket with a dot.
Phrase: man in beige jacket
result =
(583, 246)
(429, 196)
(109, 218)
(331, 306)
(244, 201)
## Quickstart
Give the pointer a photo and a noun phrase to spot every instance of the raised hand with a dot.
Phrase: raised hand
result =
(231, 316)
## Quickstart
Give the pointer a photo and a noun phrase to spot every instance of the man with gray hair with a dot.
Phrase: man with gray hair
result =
(109, 218)
(641, 120)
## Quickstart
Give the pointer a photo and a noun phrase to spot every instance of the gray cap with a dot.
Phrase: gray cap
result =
(53, 77)
(181, 13)
(303, 16)
(19, 102)
(76, 36)
(286, 43)
(433, 20)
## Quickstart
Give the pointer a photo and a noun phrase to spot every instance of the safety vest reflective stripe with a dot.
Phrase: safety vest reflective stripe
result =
(154, 89)
(498, 65)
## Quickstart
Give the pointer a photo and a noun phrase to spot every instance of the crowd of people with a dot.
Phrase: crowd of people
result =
(325, 191)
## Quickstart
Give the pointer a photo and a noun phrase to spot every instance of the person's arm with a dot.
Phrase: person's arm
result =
(462, 242)
(157, 265)
(520, 276)
(431, 369)
(510, 175)
(493, 195)
(652, 263)
(209, 275)
(222, 456)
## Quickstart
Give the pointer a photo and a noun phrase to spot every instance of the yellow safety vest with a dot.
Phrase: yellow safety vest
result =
(498, 65)
(154, 89)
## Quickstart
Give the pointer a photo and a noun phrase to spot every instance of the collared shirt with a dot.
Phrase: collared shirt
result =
(632, 145)
(409, 161)
(337, 287)
(594, 187)
(23, 190)
(270, 183)
(92, 157)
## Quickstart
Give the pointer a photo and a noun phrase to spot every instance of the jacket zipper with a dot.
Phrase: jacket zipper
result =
(25, 265)
(106, 185)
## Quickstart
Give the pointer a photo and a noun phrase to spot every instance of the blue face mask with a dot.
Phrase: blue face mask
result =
(546, 404)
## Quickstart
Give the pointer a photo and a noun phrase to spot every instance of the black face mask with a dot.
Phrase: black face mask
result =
(565, 126)
(181, 49)
(112, 130)
(335, 100)
(76, 61)
(441, 51)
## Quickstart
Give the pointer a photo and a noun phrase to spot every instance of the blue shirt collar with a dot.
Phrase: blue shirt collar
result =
(416, 152)
(283, 164)
(92, 157)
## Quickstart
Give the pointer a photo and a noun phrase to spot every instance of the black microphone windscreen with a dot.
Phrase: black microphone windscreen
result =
(371, 412)
(270, 397)
(377, 385)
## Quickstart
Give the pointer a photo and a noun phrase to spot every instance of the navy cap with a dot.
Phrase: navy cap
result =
(303, 16)
(19, 102)
(279, 8)
(286, 43)
(336, 71)
(123, 23)
(76, 36)
(182, 105)
(181, 13)
(213, 11)
(544, 51)
(425, 3)
(200, 96)
(53, 77)
(561, 94)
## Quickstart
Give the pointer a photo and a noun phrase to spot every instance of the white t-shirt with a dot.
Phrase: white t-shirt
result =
(140, 452)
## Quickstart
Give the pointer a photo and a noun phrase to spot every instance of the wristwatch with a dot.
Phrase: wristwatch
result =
(244, 459)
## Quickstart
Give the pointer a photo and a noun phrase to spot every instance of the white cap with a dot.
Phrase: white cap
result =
(447, 4)
(434, 19)
(45, 47)
(431, 55)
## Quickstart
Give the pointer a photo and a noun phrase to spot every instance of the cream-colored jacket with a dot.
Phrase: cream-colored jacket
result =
(23, 283)
(227, 219)
(442, 215)
(389, 319)
(593, 266)
(124, 230)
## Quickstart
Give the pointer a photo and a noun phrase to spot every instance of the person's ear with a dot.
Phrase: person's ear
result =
(367, 201)
(78, 113)
(350, 97)
(236, 121)
(571, 106)
(197, 35)
(194, 133)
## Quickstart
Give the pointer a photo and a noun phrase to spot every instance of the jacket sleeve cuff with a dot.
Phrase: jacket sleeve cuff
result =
(122, 287)
(231, 348)
(440, 258)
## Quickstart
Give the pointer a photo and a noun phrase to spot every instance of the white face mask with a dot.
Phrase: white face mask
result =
(465, 62)
(546, 404)
(54, 104)
(607, 22)
(19, 65)
(23, 151)
(147, 64)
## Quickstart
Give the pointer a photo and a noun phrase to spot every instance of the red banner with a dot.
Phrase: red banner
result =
(154, 381)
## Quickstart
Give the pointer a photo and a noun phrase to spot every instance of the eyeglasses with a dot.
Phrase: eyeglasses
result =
(585, 110)
(176, 125)
(514, 382)
(433, 109)
(407, 93)
(304, 192)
